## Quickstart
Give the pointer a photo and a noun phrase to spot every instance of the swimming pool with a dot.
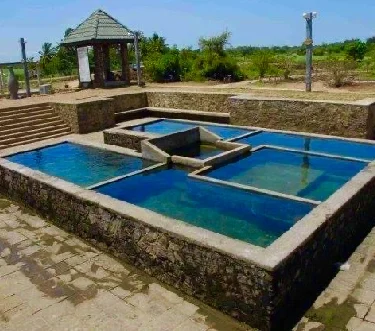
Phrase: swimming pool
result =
(248, 216)
(293, 173)
(79, 164)
(312, 144)
(163, 127)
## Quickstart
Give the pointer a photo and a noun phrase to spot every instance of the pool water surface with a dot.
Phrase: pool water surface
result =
(79, 164)
(163, 127)
(312, 144)
(293, 173)
(247, 216)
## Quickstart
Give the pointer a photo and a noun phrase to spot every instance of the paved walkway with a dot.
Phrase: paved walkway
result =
(52, 280)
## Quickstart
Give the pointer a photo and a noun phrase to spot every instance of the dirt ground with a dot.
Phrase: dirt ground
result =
(292, 89)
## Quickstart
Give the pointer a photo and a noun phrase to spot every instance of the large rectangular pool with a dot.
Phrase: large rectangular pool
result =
(79, 164)
(293, 173)
(163, 127)
(249, 216)
(311, 144)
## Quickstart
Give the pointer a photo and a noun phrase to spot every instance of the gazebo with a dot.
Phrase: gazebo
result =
(101, 31)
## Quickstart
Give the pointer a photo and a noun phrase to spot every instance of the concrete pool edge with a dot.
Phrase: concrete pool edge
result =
(262, 283)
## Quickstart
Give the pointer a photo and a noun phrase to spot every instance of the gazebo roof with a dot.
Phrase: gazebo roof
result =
(99, 28)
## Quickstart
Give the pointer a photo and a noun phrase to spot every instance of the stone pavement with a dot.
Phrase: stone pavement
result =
(348, 303)
(52, 280)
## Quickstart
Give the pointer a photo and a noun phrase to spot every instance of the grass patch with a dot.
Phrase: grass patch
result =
(4, 203)
(333, 315)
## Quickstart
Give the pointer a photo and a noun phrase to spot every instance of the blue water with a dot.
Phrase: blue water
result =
(293, 173)
(164, 127)
(79, 164)
(328, 146)
(250, 217)
(197, 151)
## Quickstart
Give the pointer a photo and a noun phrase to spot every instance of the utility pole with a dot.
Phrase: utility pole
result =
(309, 43)
(25, 69)
(138, 58)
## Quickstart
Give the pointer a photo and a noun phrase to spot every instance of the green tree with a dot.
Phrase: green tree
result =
(261, 61)
(216, 44)
(46, 55)
(356, 50)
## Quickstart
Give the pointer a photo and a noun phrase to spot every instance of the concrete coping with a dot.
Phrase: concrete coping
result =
(75, 139)
(363, 102)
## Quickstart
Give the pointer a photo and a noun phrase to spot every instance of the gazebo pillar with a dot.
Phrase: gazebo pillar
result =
(99, 66)
(107, 64)
(125, 75)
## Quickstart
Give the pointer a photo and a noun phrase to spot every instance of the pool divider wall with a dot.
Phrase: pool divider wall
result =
(170, 113)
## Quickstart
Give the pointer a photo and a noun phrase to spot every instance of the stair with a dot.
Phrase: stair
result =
(28, 124)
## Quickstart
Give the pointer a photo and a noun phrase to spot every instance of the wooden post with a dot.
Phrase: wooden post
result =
(125, 75)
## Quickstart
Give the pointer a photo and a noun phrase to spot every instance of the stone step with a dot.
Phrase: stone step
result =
(39, 135)
(26, 119)
(30, 107)
(30, 125)
(21, 114)
(24, 111)
(29, 131)
(30, 141)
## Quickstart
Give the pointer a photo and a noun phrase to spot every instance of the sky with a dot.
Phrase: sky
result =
(182, 22)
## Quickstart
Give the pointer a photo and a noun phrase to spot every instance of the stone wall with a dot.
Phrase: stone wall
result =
(349, 119)
(124, 139)
(238, 288)
(129, 101)
(310, 268)
(209, 102)
(86, 116)
(332, 118)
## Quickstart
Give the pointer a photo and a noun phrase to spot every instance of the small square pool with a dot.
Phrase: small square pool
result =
(338, 147)
(163, 127)
(79, 164)
(293, 173)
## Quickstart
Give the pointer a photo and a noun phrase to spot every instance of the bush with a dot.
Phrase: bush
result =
(163, 67)
(215, 67)
(261, 61)
(338, 71)
(356, 50)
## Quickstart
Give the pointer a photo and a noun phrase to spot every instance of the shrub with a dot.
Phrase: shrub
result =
(261, 61)
(338, 70)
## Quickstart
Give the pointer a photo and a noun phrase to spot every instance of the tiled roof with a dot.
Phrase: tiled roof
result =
(99, 27)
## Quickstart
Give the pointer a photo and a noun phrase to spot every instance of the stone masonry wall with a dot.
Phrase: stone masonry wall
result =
(340, 119)
(87, 116)
(123, 139)
(230, 285)
(306, 272)
(210, 102)
(129, 101)
(332, 118)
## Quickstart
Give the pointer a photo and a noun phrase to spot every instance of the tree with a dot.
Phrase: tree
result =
(356, 50)
(152, 45)
(216, 44)
(46, 55)
(261, 61)
(338, 70)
